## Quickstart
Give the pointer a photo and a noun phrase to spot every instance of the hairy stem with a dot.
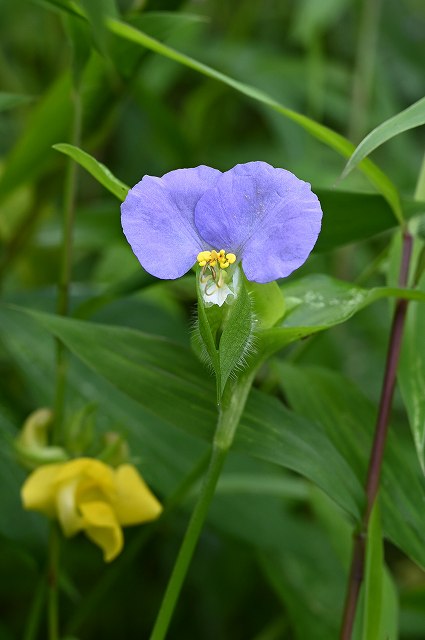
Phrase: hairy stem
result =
(230, 412)
(375, 462)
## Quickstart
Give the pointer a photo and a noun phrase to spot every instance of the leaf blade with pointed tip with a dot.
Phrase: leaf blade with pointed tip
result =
(98, 170)
(413, 116)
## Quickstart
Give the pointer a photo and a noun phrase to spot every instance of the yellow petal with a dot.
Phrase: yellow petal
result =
(39, 489)
(90, 469)
(76, 479)
(134, 502)
(67, 507)
(102, 527)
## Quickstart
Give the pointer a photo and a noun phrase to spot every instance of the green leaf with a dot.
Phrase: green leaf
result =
(168, 382)
(379, 610)
(271, 432)
(269, 303)
(390, 608)
(318, 302)
(373, 580)
(319, 131)
(12, 100)
(413, 116)
(95, 168)
(348, 418)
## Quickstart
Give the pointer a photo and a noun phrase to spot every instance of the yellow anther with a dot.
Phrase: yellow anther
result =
(211, 258)
(204, 256)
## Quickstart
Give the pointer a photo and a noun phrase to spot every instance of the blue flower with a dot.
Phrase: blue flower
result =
(254, 215)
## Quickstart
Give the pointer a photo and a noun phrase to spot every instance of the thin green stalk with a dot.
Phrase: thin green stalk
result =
(52, 583)
(61, 358)
(37, 605)
(365, 68)
(62, 307)
(234, 400)
(190, 540)
(315, 78)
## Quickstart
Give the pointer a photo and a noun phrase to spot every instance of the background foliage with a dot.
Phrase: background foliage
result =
(273, 560)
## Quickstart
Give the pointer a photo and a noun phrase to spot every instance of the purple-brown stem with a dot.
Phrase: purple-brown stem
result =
(375, 462)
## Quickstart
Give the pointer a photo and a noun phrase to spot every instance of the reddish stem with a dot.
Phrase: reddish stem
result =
(377, 453)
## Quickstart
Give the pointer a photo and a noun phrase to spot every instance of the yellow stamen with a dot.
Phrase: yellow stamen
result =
(211, 258)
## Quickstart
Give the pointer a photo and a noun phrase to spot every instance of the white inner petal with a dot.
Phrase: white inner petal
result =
(213, 294)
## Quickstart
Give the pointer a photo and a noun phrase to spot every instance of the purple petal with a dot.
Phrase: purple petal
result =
(157, 218)
(266, 216)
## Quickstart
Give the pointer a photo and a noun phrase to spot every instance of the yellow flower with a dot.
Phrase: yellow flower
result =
(87, 495)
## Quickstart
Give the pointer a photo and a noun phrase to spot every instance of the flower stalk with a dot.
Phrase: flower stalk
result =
(62, 306)
(234, 400)
(52, 584)
(35, 614)
(375, 463)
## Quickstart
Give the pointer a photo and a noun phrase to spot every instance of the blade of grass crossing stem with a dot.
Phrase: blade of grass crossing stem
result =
(334, 140)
